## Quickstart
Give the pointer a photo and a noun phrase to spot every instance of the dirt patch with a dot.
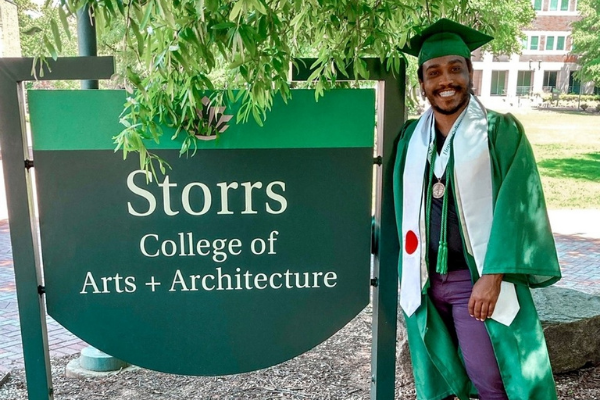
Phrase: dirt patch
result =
(337, 369)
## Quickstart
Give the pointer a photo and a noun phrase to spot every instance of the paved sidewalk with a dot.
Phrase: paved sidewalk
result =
(577, 240)
(60, 340)
(577, 236)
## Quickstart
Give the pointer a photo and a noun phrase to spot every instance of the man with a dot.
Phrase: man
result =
(474, 236)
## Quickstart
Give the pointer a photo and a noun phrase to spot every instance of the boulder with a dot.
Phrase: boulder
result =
(571, 322)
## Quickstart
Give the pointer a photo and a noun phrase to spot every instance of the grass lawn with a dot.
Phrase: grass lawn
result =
(567, 150)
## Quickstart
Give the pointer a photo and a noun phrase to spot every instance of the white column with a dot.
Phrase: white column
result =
(486, 76)
(538, 79)
(513, 71)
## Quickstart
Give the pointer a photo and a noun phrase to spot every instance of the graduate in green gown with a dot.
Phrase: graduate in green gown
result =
(469, 202)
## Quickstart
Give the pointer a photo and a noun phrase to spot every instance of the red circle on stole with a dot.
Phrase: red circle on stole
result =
(411, 241)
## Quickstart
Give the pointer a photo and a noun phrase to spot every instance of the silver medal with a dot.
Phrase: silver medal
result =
(438, 190)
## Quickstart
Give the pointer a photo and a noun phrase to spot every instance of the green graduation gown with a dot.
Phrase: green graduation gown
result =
(521, 247)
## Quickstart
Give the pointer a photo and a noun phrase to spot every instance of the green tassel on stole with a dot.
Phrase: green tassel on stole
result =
(442, 259)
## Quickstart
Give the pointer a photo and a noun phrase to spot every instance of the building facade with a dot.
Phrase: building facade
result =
(10, 44)
(546, 63)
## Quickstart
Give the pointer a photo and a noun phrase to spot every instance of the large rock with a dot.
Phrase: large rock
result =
(571, 322)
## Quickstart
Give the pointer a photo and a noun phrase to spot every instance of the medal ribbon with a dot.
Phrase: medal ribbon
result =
(437, 166)
(441, 162)
(442, 258)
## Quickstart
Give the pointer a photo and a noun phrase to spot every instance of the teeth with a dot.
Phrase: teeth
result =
(447, 93)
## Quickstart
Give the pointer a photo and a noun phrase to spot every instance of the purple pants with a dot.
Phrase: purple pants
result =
(450, 295)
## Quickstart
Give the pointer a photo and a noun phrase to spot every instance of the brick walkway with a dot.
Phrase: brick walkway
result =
(60, 340)
(580, 262)
(579, 257)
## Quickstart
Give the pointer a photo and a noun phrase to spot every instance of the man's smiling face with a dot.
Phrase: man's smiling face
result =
(446, 82)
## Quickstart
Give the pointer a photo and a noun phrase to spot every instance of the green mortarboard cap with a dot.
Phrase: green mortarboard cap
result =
(445, 38)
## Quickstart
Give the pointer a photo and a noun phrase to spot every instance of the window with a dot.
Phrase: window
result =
(574, 83)
(524, 43)
(498, 83)
(537, 5)
(555, 42)
(533, 42)
(524, 83)
(550, 80)
(562, 5)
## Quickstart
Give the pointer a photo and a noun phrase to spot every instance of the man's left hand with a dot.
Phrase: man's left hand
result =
(484, 296)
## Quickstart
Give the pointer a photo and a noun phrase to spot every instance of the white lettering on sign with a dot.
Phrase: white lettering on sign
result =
(151, 245)
(197, 199)
(217, 280)
(142, 193)
(247, 280)
(108, 284)
(276, 204)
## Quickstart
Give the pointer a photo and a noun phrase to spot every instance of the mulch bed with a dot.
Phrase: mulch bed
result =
(337, 369)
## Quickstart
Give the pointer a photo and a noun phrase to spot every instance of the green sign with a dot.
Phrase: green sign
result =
(245, 255)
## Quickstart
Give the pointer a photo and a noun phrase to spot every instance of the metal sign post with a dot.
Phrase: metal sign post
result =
(16, 163)
(391, 111)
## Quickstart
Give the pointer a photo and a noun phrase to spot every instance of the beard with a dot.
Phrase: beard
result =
(464, 99)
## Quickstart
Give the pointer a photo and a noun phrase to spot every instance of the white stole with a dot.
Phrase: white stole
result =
(474, 205)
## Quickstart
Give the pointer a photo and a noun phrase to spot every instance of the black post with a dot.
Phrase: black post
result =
(86, 40)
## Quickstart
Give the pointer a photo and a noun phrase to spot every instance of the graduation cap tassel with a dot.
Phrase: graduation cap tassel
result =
(442, 258)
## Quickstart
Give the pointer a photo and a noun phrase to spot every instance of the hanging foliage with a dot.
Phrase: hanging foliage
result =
(181, 49)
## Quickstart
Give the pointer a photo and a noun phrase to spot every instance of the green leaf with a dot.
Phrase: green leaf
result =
(166, 12)
(236, 10)
(181, 60)
(63, 19)
(223, 25)
(260, 7)
(56, 35)
(33, 65)
(109, 6)
(138, 37)
(257, 117)
(212, 5)
(121, 7)
(50, 48)
(149, 9)
(32, 31)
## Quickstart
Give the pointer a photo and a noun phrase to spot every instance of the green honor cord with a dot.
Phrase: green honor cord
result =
(442, 258)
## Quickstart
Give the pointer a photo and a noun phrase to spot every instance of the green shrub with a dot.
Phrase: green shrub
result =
(571, 100)
(584, 97)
